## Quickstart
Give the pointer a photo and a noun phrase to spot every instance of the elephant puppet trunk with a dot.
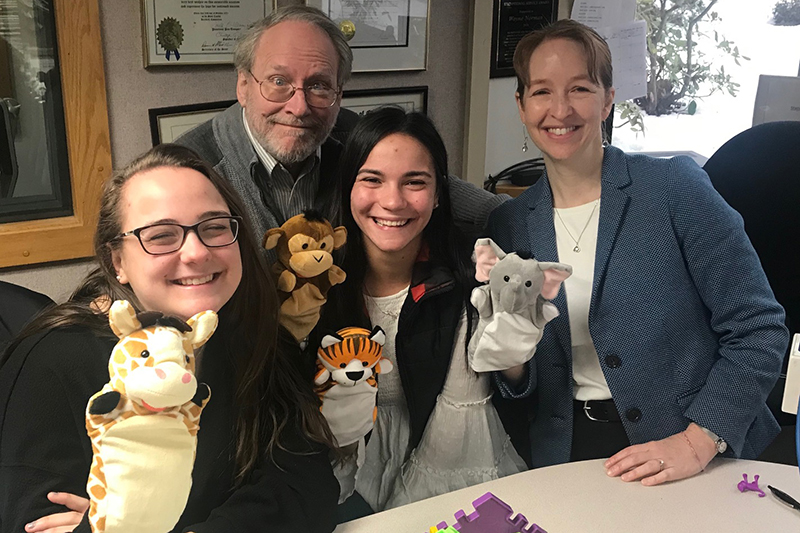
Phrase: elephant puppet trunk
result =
(511, 298)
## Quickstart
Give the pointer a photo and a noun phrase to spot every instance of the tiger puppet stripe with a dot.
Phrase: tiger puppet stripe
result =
(348, 363)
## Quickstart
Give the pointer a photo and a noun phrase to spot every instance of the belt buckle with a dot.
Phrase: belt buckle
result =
(587, 409)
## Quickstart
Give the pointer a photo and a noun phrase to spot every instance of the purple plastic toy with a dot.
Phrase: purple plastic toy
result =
(745, 485)
(491, 515)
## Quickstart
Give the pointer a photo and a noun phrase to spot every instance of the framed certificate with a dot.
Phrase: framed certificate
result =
(384, 35)
(169, 123)
(196, 32)
(409, 98)
(512, 20)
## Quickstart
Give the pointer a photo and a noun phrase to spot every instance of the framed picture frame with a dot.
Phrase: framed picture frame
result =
(409, 98)
(196, 32)
(168, 123)
(384, 35)
(511, 21)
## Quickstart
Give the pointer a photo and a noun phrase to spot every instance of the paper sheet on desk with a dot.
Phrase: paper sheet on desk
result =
(628, 44)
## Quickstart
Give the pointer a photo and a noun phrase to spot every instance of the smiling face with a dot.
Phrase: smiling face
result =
(194, 278)
(302, 54)
(394, 195)
(562, 109)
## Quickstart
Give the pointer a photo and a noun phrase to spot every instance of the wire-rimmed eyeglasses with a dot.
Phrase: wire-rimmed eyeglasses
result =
(278, 89)
(165, 238)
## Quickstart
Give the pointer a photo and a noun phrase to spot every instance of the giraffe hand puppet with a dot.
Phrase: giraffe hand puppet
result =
(143, 423)
(348, 363)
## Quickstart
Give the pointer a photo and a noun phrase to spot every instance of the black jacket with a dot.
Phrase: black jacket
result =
(17, 306)
(426, 335)
(44, 388)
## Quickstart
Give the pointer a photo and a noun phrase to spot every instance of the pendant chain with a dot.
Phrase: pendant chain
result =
(577, 248)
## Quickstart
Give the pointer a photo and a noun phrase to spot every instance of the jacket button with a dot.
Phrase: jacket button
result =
(633, 414)
(612, 361)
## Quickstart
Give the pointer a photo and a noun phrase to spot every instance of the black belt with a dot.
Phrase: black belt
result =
(596, 410)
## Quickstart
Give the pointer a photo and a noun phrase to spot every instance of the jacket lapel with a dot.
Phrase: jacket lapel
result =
(613, 206)
(542, 244)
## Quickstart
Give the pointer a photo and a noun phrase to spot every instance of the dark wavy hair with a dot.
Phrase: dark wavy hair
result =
(447, 245)
(270, 391)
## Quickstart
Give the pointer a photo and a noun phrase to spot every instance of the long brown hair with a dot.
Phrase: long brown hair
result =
(270, 390)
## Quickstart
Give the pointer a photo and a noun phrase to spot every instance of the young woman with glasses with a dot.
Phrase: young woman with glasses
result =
(170, 238)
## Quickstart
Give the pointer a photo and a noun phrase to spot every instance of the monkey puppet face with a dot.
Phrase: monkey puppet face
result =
(304, 244)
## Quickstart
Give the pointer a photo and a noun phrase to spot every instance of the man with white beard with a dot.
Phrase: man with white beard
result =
(280, 144)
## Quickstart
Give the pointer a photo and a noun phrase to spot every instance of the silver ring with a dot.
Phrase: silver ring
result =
(660, 465)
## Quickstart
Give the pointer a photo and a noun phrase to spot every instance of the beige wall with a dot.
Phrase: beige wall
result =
(132, 90)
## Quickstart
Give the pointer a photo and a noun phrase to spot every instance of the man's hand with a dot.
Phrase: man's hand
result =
(61, 522)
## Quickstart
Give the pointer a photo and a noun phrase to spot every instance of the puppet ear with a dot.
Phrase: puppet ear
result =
(322, 376)
(554, 274)
(486, 255)
(384, 366)
(339, 237)
(203, 325)
(329, 340)
(272, 237)
(378, 335)
(122, 318)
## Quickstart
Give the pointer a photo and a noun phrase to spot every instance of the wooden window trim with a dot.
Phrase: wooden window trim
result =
(88, 145)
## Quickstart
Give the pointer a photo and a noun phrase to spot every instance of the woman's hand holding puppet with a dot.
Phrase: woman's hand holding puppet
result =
(513, 307)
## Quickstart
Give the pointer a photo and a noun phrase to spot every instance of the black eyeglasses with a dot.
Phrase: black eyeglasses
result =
(160, 239)
(278, 89)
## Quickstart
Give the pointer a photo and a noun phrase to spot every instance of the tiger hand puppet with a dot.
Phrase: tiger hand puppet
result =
(348, 362)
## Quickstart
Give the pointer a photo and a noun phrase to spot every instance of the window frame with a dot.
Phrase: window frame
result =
(88, 145)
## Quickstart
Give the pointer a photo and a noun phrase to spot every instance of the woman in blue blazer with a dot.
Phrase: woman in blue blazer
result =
(669, 338)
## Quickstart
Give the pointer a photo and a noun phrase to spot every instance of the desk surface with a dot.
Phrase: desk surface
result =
(579, 497)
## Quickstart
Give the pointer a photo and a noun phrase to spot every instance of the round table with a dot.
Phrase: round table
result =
(580, 497)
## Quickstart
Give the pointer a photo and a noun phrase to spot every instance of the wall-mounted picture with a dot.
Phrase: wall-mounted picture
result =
(196, 32)
(511, 21)
(384, 35)
(409, 98)
(169, 123)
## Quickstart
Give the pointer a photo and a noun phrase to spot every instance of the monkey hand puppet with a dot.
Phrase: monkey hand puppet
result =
(305, 269)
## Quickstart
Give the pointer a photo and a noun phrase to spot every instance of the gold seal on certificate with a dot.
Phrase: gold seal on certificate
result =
(170, 36)
(348, 29)
(196, 32)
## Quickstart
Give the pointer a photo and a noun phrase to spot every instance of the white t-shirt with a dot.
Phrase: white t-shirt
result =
(581, 223)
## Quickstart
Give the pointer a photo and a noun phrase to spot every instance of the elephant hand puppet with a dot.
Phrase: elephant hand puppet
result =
(513, 307)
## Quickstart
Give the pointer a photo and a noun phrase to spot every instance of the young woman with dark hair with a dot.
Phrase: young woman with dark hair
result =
(262, 448)
(409, 272)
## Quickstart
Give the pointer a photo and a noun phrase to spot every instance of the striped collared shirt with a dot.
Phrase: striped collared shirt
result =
(286, 196)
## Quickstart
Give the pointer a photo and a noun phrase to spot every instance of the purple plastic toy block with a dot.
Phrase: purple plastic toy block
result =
(745, 485)
(492, 515)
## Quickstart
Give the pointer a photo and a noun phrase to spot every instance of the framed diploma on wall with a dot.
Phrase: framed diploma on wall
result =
(196, 32)
(511, 21)
(384, 35)
(169, 123)
(409, 98)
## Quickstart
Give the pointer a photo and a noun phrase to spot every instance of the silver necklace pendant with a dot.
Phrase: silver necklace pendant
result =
(577, 249)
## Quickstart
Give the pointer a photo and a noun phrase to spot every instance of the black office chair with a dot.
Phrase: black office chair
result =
(758, 174)
(18, 306)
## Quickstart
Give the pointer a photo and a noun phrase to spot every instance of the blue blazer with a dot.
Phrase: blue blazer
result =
(679, 297)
